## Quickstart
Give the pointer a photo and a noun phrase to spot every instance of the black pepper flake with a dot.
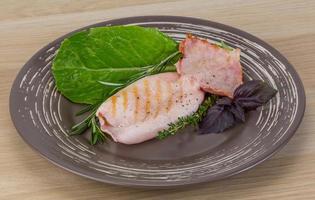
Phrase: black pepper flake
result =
(190, 94)
(213, 75)
(183, 105)
(207, 83)
(176, 101)
(138, 97)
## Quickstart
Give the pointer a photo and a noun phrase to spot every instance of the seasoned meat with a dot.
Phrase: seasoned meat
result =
(218, 70)
(137, 112)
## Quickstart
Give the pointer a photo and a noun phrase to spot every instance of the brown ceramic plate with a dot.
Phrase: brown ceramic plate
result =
(42, 117)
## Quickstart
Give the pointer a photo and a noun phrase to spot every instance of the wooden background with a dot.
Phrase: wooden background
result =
(26, 26)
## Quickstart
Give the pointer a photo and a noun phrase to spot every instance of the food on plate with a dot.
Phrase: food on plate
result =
(138, 112)
(140, 84)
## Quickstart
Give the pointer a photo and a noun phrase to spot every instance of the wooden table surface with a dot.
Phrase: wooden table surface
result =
(26, 26)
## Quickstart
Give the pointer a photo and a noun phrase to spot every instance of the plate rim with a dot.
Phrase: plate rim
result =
(145, 184)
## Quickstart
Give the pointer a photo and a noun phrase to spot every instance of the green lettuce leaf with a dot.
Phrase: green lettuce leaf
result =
(109, 54)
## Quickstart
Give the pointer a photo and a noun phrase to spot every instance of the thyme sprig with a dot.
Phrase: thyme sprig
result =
(193, 119)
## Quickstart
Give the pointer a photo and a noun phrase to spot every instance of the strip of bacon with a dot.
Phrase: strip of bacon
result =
(218, 70)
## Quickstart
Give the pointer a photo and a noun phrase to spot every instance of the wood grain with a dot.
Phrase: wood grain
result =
(26, 26)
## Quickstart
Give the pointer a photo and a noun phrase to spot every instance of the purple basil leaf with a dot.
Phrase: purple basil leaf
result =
(238, 112)
(233, 107)
(218, 119)
(247, 88)
(227, 112)
(224, 101)
(253, 94)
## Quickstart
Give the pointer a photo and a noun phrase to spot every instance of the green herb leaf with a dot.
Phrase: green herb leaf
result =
(87, 109)
(225, 46)
(107, 54)
(193, 119)
(96, 135)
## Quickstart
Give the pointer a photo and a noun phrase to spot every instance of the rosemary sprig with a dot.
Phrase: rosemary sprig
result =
(97, 134)
(86, 109)
(193, 119)
(91, 121)
(86, 122)
(155, 69)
